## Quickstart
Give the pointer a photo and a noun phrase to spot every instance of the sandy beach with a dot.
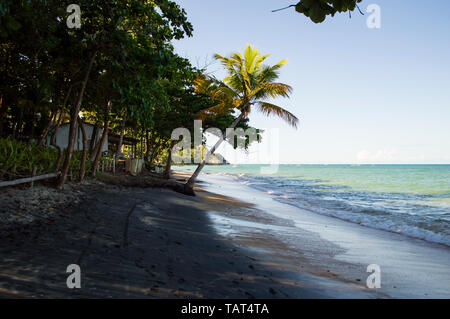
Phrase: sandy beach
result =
(155, 243)
(410, 267)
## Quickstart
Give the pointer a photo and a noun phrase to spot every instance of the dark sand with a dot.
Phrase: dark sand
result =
(155, 243)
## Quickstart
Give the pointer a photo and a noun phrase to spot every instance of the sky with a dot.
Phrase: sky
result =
(377, 96)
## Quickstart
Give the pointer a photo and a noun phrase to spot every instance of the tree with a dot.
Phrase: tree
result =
(113, 27)
(318, 10)
(249, 83)
(49, 73)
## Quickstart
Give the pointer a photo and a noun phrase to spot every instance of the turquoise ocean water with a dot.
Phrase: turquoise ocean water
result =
(410, 199)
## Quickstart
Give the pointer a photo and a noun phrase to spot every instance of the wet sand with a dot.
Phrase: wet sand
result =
(410, 268)
(155, 243)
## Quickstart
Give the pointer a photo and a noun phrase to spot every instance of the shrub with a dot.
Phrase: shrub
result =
(17, 159)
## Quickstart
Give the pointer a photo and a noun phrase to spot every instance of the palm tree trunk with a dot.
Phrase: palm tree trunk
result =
(83, 157)
(194, 176)
(73, 125)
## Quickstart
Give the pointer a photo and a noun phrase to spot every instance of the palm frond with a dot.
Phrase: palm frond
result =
(267, 74)
(202, 85)
(216, 110)
(273, 90)
(272, 109)
(260, 61)
(251, 55)
(279, 65)
(219, 93)
(228, 63)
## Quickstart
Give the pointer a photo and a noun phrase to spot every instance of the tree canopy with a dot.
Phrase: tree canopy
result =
(318, 10)
(117, 71)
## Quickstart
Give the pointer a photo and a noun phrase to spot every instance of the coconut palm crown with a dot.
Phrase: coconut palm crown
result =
(248, 84)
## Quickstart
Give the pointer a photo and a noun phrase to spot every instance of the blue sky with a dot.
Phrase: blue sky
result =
(362, 95)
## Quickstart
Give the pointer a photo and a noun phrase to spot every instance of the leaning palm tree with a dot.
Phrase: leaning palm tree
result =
(248, 84)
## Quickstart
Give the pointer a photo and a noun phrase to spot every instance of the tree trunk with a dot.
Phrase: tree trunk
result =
(169, 161)
(103, 138)
(122, 133)
(93, 139)
(18, 124)
(155, 152)
(73, 125)
(44, 133)
(83, 157)
(149, 140)
(142, 144)
(96, 146)
(194, 176)
(53, 142)
(58, 124)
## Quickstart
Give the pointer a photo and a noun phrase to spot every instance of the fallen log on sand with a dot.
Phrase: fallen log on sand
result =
(28, 179)
(147, 181)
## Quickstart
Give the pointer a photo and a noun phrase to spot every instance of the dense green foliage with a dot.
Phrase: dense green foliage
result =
(118, 71)
(318, 10)
(18, 159)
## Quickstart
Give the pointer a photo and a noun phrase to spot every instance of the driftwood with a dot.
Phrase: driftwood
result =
(147, 182)
(28, 179)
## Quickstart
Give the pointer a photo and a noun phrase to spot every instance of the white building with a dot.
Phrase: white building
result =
(62, 137)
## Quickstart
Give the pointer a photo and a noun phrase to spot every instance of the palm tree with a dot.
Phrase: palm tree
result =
(249, 83)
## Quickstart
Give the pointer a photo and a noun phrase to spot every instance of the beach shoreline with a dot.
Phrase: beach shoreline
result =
(155, 243)
(410, 267)
(151, 243)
